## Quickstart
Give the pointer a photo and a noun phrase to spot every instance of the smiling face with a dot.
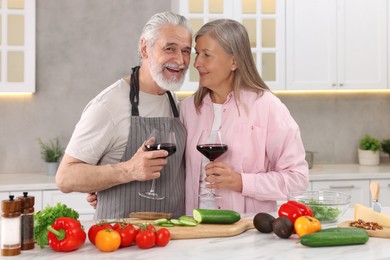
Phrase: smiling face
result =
(215, 66)
(168, 59)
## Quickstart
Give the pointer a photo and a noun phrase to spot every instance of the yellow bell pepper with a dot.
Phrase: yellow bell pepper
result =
(306, 225)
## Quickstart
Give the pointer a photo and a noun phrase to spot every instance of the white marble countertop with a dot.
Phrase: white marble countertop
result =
(248, 245)
(319, 172)
(26, 181)
(349, 172)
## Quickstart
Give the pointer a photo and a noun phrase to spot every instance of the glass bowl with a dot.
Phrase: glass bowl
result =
(327, 206)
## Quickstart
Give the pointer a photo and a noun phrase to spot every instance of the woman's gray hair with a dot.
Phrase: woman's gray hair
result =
(234, 39)
(150, 32)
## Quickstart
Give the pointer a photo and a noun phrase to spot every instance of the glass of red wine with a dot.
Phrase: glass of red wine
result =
(210, 144)
(159, 140)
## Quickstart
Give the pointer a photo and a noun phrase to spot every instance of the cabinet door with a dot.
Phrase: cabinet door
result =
(311, 44)
(4, 195)
(362, 44)
(37, 194)
(358, 189)
(74, 200)
(334, 44)
(384, 192)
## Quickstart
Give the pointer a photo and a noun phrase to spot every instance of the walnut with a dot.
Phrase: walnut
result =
(366, 225)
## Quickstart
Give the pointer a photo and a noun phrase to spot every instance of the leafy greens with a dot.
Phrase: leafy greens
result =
(46, 217)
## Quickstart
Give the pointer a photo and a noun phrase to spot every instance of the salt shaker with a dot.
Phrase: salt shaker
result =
(27, 219)
(10, 226)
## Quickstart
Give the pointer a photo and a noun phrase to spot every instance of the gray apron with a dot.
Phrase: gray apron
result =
(120, 200)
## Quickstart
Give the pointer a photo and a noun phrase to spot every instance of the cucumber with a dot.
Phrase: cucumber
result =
(335, 237)
(215, 216)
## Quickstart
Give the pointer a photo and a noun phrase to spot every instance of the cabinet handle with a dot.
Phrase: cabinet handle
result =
(342, 187)
(341, 85)
(333, 85)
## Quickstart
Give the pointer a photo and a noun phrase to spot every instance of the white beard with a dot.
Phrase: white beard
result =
(156, 71)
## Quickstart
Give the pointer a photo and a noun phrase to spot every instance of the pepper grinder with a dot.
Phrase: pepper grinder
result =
(27, 219)
(10, 226)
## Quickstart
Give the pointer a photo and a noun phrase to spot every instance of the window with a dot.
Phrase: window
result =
(264, 21)
(17, 41)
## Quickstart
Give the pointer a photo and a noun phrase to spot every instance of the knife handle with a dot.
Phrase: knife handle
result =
(374, 188)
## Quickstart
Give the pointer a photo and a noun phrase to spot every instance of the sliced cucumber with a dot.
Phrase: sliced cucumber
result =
(216, 216)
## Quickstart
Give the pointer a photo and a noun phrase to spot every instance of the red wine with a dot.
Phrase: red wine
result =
(212, 151)
(169, 147)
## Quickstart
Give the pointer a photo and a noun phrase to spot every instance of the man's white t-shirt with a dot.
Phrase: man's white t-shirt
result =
(100, 137)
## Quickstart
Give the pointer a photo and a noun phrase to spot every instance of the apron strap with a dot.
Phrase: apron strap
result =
(134, 91)
(173, 104)
(134, 94)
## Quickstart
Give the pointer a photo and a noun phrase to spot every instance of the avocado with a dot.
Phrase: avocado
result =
(283, 227)
(263, 222)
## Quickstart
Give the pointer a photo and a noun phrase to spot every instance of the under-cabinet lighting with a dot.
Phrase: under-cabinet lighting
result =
(15, 94)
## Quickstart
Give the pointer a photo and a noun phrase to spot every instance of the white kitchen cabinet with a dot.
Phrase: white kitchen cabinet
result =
(332, 44)
(358, 189)
(74, 200)
(384, 192)
(37, 197)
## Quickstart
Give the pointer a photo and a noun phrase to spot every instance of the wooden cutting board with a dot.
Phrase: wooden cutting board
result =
(384, 233)
(204, 230)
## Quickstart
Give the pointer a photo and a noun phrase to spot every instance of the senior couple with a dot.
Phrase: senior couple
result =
(106, 156)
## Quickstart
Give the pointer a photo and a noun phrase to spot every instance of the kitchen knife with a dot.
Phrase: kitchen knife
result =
(374, 188)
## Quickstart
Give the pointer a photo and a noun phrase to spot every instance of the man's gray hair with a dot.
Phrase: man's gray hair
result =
(150, 32)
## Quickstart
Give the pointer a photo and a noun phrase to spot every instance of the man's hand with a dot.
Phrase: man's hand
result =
(145, 165)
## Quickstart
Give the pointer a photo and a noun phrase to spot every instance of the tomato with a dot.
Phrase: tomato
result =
(94, 229)
(150, 227)
(108, 240)
(306, 225)
(145, 239)
(163, 236)
(127, 233)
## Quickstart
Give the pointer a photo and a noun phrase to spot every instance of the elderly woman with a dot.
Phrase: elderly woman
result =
(265, 160)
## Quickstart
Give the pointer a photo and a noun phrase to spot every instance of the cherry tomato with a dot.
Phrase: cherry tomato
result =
(127, 233)
(94, 229)
(145, 239)
(163, 236)
(108, 240)
(150, 227)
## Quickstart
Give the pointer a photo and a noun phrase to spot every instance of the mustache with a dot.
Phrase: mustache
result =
(174, 66)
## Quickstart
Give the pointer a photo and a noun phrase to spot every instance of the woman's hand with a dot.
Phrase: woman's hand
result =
(221, 175)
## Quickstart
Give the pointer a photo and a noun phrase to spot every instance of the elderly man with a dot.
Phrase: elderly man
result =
(106, 152)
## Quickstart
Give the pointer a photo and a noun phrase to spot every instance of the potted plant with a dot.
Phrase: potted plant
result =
(368, 152)
(51, 153)
(385, 146)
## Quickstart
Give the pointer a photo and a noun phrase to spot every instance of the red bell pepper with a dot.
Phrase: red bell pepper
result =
(66, 234)
(305, 210)
(293, 210)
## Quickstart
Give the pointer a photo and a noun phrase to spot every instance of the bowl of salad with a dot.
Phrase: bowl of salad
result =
(327, 206)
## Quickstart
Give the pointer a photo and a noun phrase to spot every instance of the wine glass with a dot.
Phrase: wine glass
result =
(159, 140)
(210, 144)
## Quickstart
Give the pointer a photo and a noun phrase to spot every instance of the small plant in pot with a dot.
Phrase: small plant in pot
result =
(385, 145)
(51, 153)
(369, 153)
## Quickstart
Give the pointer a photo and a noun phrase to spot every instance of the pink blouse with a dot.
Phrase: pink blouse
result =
(265, 147)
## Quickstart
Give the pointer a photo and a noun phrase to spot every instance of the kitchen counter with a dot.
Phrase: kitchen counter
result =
(325, 172)
(319, 172)
(26, 181)
(248, 245)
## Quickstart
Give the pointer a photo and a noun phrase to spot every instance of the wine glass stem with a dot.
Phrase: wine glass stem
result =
(152, 188)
